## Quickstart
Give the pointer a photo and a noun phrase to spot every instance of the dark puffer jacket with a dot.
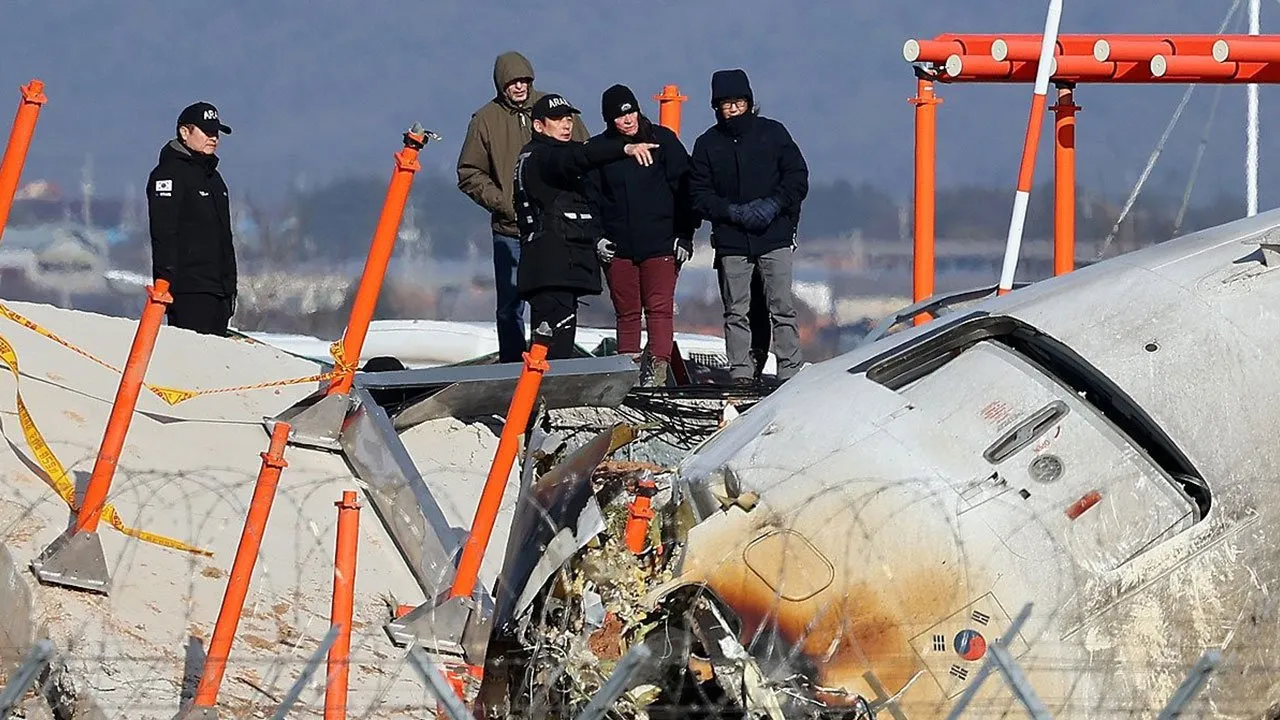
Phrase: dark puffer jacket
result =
(645, 208)
(191, 244)
(741, 159)
(560, 252)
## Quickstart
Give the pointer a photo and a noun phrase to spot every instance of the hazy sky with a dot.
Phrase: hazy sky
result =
(321, 88)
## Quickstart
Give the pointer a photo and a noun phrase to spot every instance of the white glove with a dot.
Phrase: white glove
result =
(606, 250)
(684, 250)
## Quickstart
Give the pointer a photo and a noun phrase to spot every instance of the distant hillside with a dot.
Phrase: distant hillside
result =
(321, 88)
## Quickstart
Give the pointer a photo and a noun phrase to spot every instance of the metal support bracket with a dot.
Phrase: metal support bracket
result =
(317, 420)
(74, 559)
(1269, 244)
(474, 390)
(456, 626)
(24, 676)
(400, 497)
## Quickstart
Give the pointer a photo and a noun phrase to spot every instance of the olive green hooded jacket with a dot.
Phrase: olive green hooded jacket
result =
(497, 131)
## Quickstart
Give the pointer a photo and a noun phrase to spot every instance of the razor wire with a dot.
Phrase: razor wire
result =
(295, 691)
(130, 671)
(37, 659)
(267, 663)
(435, 681)
(620, 677)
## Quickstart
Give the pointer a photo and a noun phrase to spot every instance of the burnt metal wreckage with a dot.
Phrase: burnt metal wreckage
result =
(593, 402)
(859, 542)
(830, 552)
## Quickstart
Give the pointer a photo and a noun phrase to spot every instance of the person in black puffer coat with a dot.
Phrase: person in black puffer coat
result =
(190, 219)
(562, 240)
(649, 221)
(748, 177)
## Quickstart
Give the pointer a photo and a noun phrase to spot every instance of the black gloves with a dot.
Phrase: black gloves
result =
(755, 215)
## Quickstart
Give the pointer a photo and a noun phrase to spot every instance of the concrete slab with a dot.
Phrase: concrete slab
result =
(188, 472)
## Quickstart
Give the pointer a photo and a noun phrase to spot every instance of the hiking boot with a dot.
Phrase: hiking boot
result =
(658, 373)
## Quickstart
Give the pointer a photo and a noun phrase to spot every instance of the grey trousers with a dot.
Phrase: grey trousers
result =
(735, 291)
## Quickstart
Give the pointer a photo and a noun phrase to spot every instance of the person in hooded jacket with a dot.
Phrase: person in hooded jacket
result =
(189, 213)
(748, 177)
(559, 225)
(647, 218)
(486, 166)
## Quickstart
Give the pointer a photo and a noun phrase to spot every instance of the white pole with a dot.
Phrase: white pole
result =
(1026, 172)
(1251, 159)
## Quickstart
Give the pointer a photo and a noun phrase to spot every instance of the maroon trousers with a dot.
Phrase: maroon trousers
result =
(648, 286)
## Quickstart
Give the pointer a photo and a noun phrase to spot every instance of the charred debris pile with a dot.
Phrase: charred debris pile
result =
(604, 475)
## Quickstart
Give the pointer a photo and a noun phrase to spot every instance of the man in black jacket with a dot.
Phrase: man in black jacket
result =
(748, 177)
(190, 219)
(647, 217)
(560, 232)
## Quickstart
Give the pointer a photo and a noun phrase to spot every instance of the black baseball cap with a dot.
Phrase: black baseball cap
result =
(552, 106)
(204, 116)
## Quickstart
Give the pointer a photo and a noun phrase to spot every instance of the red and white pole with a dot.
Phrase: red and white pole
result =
(1027, 171)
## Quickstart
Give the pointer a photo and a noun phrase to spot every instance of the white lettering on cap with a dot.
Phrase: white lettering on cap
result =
(557, 102)
(210, 114)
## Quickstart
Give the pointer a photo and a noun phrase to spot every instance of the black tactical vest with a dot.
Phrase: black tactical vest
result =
(540, 208)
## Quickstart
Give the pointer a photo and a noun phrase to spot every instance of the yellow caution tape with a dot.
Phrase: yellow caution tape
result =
(173, 396)
(58, 477)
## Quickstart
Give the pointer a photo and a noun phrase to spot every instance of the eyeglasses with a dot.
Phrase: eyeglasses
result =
(734, 103)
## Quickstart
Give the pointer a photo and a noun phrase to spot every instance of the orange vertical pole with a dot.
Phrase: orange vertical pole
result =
(669, 107)
(135, 368)
(925, 192)
(526, 393)
(15, 153)
(375, 267)
(255, 524)
(1064, 180)
(344, 587)
(639, 515)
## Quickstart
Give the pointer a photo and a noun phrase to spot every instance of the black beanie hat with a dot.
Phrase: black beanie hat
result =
(617, 101)
(727, 84)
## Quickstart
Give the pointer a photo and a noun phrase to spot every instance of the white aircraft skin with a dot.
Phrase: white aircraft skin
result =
(1101, 445)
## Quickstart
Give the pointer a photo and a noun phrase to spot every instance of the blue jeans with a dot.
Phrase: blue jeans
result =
(510, 308)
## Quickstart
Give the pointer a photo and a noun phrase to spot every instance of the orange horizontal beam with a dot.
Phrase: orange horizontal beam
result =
(1173, 69)
(1007, 48)
(1087, 68)
(1106, 47)
(937, 50)
(1131, 50)
(940, 47)
(1247, 49)
(1206, 69)
(980, 66)
(1069, 68)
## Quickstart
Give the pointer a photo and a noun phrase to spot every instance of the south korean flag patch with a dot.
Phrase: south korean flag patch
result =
(164, 188)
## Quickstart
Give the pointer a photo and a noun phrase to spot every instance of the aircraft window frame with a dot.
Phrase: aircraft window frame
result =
(924, 354)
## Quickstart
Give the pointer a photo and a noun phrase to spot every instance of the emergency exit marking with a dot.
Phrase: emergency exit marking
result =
(1079, 507)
